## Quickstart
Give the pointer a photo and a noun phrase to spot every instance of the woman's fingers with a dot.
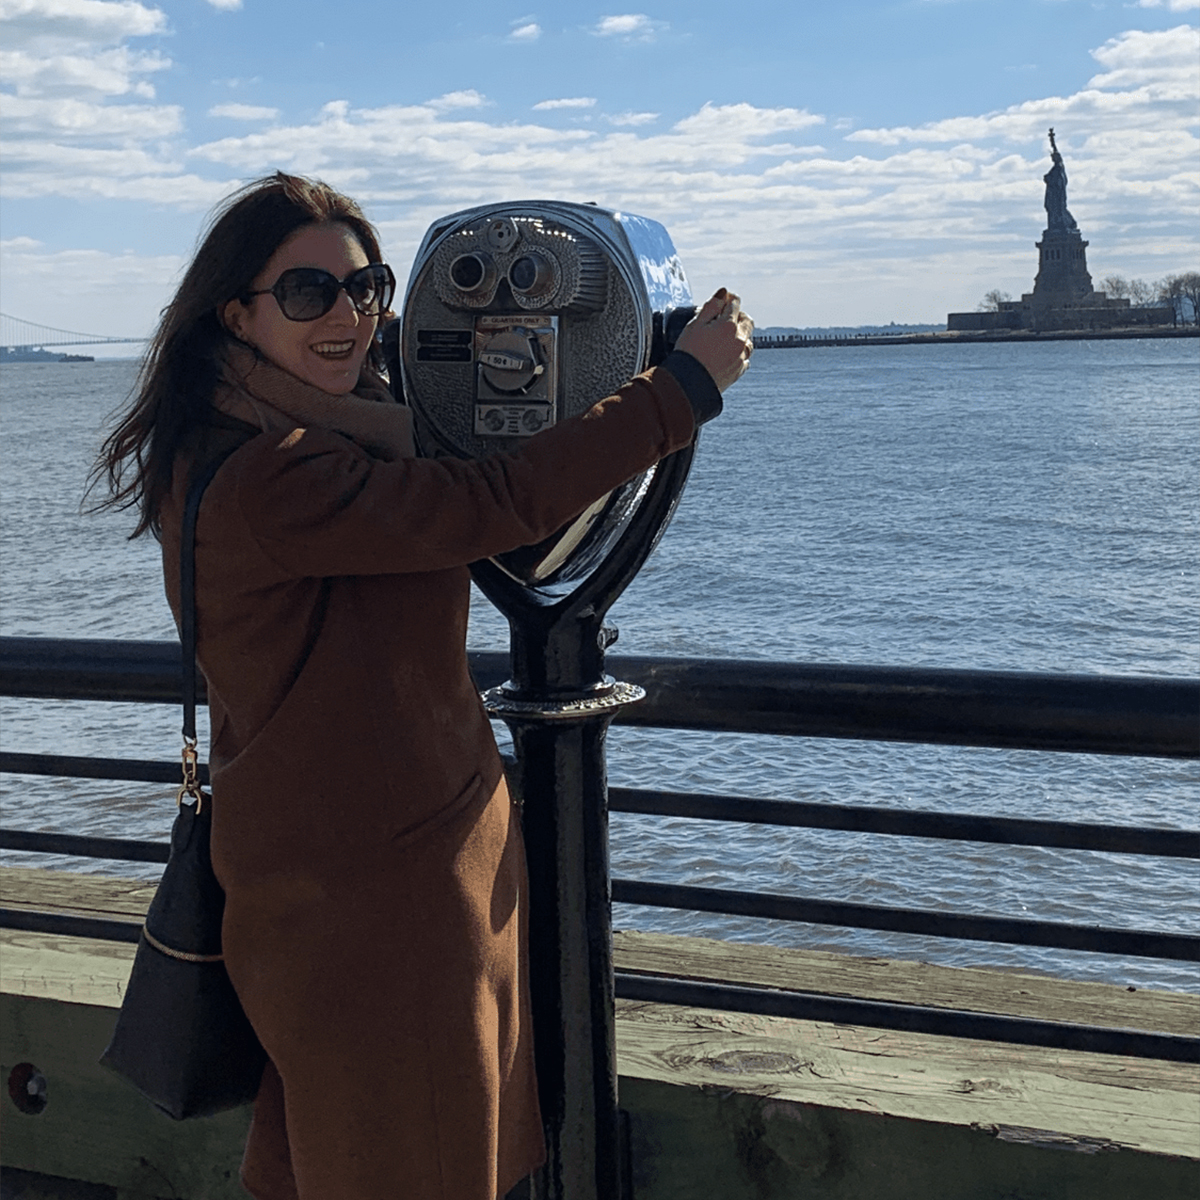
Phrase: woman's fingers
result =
(720, 338)
(712, 308)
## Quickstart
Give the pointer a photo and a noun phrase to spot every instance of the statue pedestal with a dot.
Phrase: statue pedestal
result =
(1062, 278)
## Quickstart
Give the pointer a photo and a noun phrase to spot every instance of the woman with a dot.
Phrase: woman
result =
(361, 828)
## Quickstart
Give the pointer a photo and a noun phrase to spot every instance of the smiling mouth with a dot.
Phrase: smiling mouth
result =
(333, 349)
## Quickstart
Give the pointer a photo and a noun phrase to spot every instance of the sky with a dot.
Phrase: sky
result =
(836, 164)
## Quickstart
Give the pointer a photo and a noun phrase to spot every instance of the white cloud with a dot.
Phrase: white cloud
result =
(629, 26)
(82, 171)
(226, 5)
(36, 22)
(568, 102)
(76, 119)
(416, 145)
(632, 119)
(244, 112)
(111, 72)
(451, 100)
(1171, 5)
(529, 32)
(743, 121)
(1164, 60)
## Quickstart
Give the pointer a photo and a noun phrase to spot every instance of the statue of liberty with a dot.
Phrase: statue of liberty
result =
(1059, 220)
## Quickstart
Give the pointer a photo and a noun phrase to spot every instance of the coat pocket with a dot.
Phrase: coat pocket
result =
(473, 797)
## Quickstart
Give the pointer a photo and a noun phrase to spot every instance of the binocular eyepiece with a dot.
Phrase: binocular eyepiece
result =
(532, 277)
(525, 263)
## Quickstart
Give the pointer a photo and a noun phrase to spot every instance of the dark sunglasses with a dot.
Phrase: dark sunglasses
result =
(306, 293)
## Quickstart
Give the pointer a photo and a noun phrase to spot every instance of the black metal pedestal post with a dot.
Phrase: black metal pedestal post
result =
(558, 705)
(559, 721)
(565, 818)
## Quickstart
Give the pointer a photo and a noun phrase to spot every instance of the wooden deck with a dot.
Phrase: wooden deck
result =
(720, 1104)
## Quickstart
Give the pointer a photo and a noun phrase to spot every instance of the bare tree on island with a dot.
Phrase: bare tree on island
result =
(1137, 291)
(1190, 287)
(1179, 293)
(992, 300)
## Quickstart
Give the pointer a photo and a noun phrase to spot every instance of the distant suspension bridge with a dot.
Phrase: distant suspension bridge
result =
(16, 334)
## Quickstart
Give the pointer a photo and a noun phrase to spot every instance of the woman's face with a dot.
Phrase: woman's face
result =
(328, 352)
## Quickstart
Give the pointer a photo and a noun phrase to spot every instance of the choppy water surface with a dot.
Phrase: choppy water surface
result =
(1010, 506)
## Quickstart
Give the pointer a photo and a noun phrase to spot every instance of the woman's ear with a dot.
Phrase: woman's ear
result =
(232, 314)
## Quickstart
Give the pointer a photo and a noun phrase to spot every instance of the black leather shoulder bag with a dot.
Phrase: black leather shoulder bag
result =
(181, 1036)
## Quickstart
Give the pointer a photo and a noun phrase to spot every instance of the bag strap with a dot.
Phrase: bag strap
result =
(187, 629)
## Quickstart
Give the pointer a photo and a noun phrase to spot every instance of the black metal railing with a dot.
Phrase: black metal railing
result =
(1054, 712)
(1087, 714)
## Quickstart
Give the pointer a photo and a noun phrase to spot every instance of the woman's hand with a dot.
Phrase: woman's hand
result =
(719, 337)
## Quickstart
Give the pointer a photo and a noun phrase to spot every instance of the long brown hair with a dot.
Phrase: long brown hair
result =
(180, 370)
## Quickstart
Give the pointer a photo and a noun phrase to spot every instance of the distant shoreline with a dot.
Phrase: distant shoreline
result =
(944, 338)
(8, 355)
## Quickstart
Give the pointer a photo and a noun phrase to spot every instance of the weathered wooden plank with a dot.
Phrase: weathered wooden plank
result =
(1133, 1103)
(718, 1144)
(72, 970)
(994, 991)
(75, 893)
(1008, 992)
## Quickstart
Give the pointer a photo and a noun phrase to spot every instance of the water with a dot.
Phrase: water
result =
(1008, 506)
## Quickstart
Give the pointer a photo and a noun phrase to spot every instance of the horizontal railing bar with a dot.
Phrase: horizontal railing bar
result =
(1013, 831)
(1013, 930)
(74, 766)
(145, 672)
(910, 1018)
(84, 846)
(1002, 709)
(65, 925)
(967, 827)
(1101, 714)
(774, 1002)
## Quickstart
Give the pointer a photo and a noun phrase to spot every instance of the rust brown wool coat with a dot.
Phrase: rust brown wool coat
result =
(372, 863)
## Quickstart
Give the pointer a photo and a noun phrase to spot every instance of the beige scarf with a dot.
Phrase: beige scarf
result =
(255, 391)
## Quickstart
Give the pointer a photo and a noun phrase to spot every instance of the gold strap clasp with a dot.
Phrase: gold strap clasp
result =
(191, 777)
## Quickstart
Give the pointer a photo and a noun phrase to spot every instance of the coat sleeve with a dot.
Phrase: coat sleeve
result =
(318, 505)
